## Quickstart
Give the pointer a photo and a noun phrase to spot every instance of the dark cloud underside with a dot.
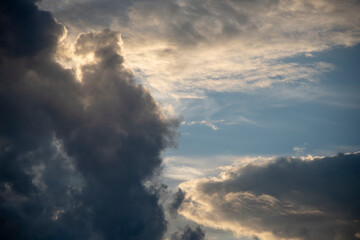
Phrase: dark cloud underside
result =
(290, 198)
(179, 197)
(74, 155)
(189, 234)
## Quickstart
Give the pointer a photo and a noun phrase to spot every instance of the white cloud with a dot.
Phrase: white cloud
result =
(209, 123)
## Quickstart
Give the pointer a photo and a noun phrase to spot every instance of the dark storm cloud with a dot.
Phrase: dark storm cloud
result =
(24, 30)
(290, 198)
(74, 155)
(189, 234)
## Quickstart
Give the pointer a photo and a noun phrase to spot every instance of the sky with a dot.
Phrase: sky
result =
(180, 119)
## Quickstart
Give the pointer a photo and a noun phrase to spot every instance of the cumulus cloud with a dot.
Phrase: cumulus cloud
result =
(287, 198)
(74, 154)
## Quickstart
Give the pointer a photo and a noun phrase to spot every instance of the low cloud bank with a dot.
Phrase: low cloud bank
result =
(288, 198)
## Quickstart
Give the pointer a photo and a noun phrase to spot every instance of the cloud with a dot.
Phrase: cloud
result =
(179, 168)
(300, 149)
(287, 198)
(189, 234)
(178, 198)
(183, 49)
(74, 154)
(213, 124)
(210, 124)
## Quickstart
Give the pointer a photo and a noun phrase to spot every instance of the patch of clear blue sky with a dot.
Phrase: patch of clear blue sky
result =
(324, 119)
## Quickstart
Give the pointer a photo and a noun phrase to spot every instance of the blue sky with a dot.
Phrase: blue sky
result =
(320, 117)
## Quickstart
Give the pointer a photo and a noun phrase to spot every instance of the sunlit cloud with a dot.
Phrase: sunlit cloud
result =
(75, 55)
(281, 198)
(184, 49)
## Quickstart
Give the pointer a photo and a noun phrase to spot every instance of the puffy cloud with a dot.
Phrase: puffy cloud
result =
(74, 154)
(287, 198)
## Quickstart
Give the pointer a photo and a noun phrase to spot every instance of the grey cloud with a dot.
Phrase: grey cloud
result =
(74, 155)
(190, 23)
(25, 30)
(178, 198)
(289, 197)
(88, 14)
(189, 234)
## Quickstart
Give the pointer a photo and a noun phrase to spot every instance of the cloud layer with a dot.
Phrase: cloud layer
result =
(183, 48)
(287, 198)
(74, 154)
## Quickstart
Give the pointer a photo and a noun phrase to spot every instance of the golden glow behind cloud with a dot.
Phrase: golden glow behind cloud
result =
(183, 49)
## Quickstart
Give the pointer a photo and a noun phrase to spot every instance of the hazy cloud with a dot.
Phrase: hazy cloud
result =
(74, 154)
(287, 198)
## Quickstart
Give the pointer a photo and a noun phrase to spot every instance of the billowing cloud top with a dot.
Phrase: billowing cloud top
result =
(74, 154)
